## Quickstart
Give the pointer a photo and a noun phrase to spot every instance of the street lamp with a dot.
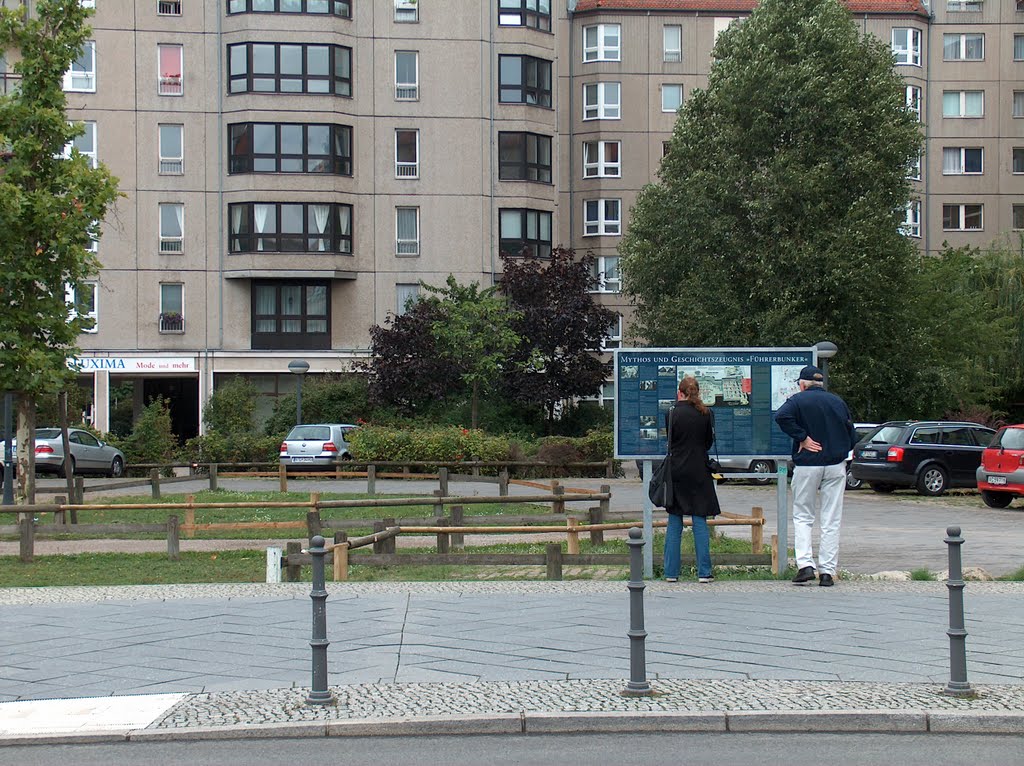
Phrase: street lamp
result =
(298, 367)
(826, 350)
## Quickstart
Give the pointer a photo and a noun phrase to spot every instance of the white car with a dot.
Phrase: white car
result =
(863, 431)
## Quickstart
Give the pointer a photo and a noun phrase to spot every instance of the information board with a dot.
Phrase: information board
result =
(743, 386)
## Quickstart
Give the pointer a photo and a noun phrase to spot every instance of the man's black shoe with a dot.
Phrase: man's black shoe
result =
(826, 581)
(804, 575)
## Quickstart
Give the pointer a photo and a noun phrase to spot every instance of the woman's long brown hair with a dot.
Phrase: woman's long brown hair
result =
(689, 387)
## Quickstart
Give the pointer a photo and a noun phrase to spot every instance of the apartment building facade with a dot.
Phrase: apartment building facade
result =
(293, 169)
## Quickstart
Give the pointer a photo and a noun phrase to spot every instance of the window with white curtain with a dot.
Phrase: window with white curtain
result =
(172, 227)
(290, 314)
(601, 42)
(601, 101)
(407, 231)
(85, 144)
(407, 75)
(290, 227)
(913, 100)
(906, 45)
(601, 159)
(81, 77)
(963, 47)
(963, 160)
(963, 103)
(406, 294)
(172, 150)
(672, 42)
(602, 217)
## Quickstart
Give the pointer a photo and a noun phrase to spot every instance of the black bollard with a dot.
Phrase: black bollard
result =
(957, 686)
(638, 685)
(319, 694)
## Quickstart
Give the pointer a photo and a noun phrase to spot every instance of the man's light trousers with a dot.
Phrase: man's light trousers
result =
(818, 489)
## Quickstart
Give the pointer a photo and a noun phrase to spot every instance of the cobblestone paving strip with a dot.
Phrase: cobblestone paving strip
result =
(368, 701)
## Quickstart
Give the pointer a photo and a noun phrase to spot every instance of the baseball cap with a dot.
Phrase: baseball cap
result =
(810, 372)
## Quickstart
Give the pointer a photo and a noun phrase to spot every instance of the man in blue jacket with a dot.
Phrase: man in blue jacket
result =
(822, 430)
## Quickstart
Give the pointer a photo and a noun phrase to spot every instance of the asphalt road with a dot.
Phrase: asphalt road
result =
(900, 531)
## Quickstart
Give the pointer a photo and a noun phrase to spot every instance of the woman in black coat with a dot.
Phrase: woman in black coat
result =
(693, 487)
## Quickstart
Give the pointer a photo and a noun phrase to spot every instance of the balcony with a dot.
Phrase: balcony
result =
(407, 170)
(171, 167)
(168, 7)
(407, 92)
(171, 245)
(170, 85)
(173, 323)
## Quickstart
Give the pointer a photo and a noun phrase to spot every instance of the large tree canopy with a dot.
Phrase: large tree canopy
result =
(776, 220)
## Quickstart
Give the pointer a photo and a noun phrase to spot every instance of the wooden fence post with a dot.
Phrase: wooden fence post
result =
(775, 553)
(213, 477)
(442, 479)
(390, 543)
(282, 477)
(557, 506)
(757, 530)
(60, 517)
(596, 516)
(173, 539)
(378, 545)
(475, 470)
(609, 468)
(458, 539)
(313, 525)
(553, 556)
(371, 479)
(154, 482)
(340, 556)
(293, 571)
(190, 516)
(605, 505)
(438, 504)
(503, 483)
(572, 536)
(443, 538)
(79, 497)
(27, 541)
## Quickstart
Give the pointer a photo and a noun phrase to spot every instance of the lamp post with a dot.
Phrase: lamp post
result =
(826, 350)
(298, 367)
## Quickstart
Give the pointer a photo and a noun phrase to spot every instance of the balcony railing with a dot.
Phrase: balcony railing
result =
(407, 92)
(170, 85)
(168, 7)
(407, 169)
(407, 247)
(171, 245)
(171, 322)
(170, 167)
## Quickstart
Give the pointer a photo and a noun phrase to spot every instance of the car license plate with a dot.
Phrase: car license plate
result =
(869, 453)
(302, 460)
(997, 480)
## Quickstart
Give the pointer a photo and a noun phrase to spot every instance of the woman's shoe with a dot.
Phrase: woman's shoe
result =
(705, 580)
(671, 579)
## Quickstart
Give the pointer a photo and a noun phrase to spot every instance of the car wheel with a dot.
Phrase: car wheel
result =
(932, 480)
(883, 489)
(762, 466)
(116, 468)
(996, 499)
(64, 468)
(852, 482)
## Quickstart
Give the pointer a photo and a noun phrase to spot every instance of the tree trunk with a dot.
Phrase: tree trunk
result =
(25, 488)
(62, 413)
(474, 410)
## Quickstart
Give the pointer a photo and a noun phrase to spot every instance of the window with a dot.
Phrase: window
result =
(535, 14)
(1018, 103)
(956, 6)
(407, 74)
(170, 82)
(290, 227)
(341, 8)
(722, 23)
(82, 303)
(963, 103)
(1018, 159)
(601, 42)
(172, 227)
(290, 314)
(967, 47)
(912, 221)
(913, 100)
(172, 307)
(613, 335)
(524, 232)
(168, 7)
(289, 68)
(906, 45)
(1018, 217)
(601, 101)
(962, 217)
(172, 147)
(407, 154)
(601, 217)
(406, 11)
(524, 80)
(672, 42)
(81, 77)
(914, 171)
(607, 278)
(1018, 47)
(605, 397)
(85, 143)
(406, 295)
(601, 159)
(407, 231)
(524, 157)
(259, 147)
(84, 3)
(671, 97)
(962, 160)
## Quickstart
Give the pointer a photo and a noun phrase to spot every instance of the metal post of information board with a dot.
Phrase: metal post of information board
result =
(782, 521)
(648, 470)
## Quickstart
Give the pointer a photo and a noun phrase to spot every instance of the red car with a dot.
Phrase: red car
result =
(1001, 473)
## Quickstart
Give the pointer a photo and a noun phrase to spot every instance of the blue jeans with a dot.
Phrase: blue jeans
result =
(701, 545)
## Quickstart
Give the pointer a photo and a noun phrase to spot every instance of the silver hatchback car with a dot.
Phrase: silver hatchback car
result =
(89, 455)
(320, 445)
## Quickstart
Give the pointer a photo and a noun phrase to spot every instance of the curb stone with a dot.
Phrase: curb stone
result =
(611, 722)
(981, 722)
(903, 721)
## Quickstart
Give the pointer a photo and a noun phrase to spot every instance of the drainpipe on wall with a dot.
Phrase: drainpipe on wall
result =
(491, 147)
(926, 202)
(570, 10)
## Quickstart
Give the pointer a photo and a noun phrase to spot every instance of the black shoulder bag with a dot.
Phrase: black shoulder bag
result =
(713, 465)
(660, 488)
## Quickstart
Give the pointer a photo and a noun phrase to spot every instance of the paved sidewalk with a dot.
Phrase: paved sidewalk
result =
(234, 660)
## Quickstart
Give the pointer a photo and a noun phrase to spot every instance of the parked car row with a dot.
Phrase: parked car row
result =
(89, 455)
(317, 445)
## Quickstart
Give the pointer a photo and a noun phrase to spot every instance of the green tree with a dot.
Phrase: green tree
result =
(152, 439)
(50, 207)
(325, 399)
(475, 332)
(776, 219)
(231, 407)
